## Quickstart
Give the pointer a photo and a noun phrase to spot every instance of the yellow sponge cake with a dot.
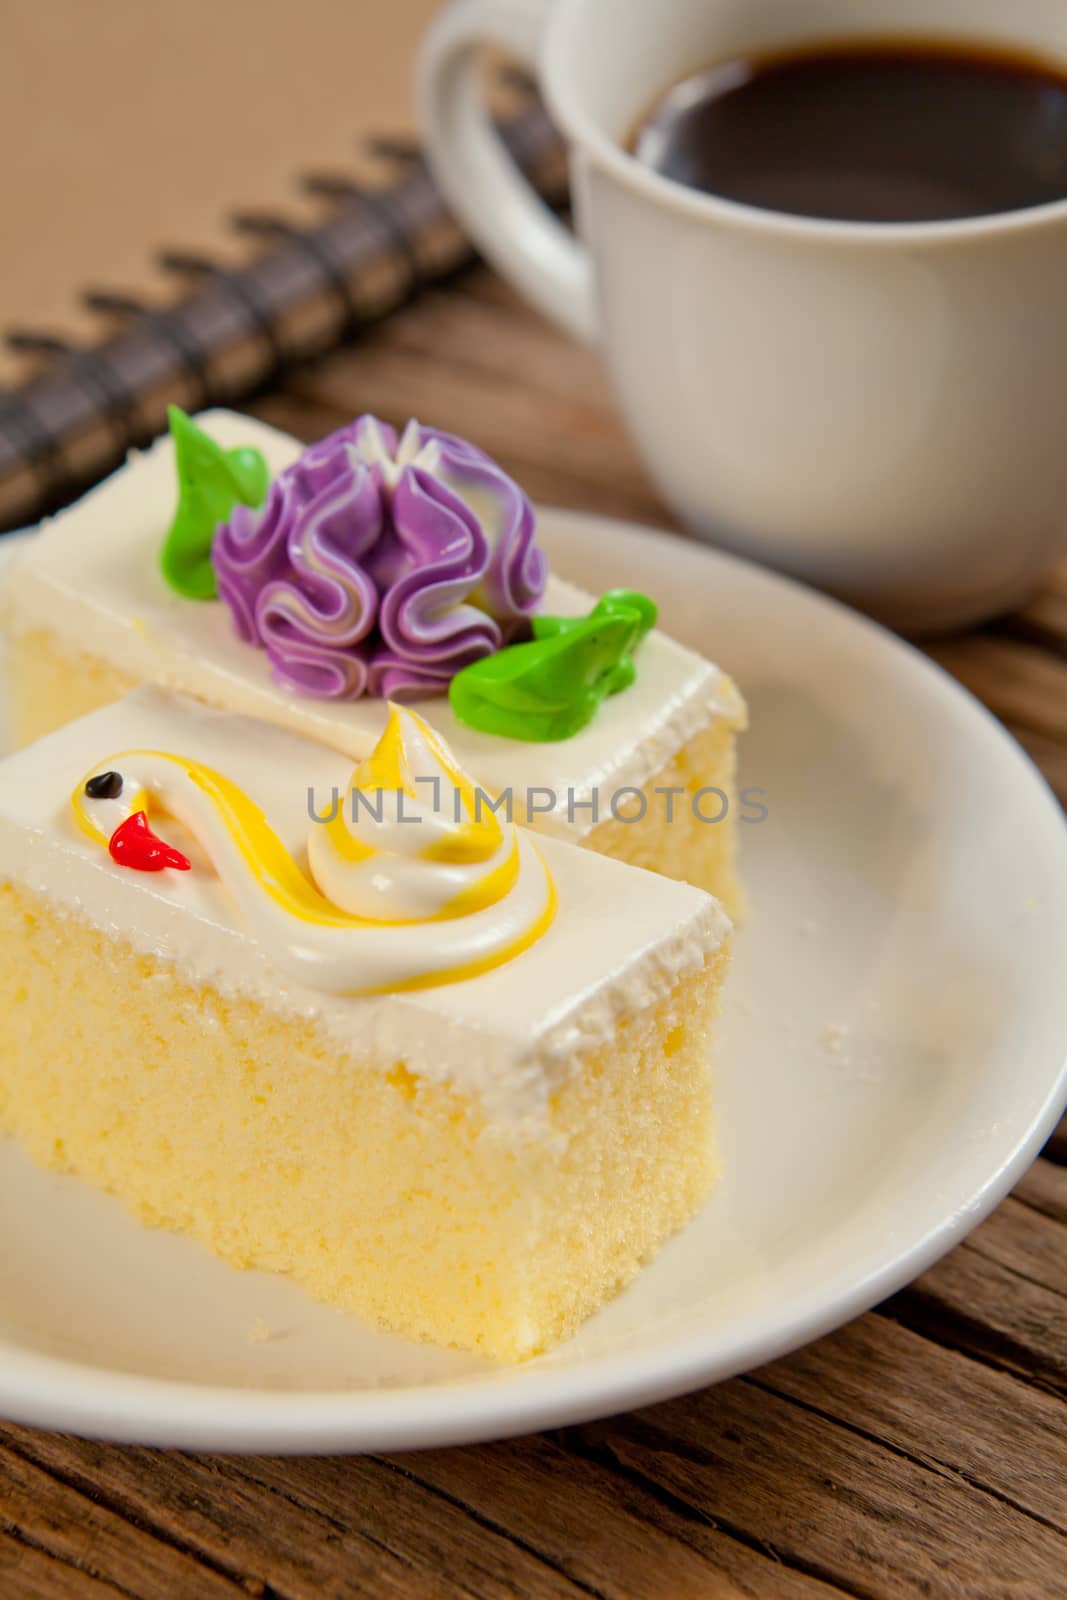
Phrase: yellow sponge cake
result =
(360, 1029)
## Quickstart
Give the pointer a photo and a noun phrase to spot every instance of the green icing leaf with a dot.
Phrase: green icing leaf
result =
(211, 481)
(551, 687)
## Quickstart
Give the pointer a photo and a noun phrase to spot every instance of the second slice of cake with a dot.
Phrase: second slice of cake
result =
(446, 1075)
(649, 778)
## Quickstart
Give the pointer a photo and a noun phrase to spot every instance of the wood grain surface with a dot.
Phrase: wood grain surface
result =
(922, 1450)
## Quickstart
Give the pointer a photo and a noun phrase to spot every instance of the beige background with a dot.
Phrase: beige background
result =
(127, 125)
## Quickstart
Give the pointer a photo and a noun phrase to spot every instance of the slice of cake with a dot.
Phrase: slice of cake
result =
(376, 567)
(447, 1074)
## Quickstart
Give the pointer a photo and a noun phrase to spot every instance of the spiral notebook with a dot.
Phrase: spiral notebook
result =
(233, 329)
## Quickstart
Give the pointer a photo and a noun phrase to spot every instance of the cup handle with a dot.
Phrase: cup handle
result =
(505, 216)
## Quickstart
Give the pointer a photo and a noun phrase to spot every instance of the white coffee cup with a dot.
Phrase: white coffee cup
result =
(881, 409)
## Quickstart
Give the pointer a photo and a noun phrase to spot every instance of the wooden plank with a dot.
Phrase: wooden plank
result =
(86, 1545)
(446, 1549)
(1033, 1246)
(1044, 1189)
(1055, 581)
(1002, 1295)
(489, 288)
(610, 1535)
(295, 415)
(938, 1407)
(27, 1573)
(296, 1528)
(1043, 619)
(1024, 686)
(839, 1505)
(973, 1303)
(1049, 756)
(1042, 623)
(1056, 1149)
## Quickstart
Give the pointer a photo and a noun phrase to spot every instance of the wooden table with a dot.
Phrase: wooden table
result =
(922, 1450)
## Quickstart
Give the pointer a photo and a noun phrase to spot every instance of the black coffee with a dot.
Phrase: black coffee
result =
(893, 132)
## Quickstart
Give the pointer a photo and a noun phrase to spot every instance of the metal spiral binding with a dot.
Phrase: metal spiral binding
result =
(48, 451)
(265, 225)
(198, 266)
(118, 402)
(41, 454)
(192, 360)
(332, 188)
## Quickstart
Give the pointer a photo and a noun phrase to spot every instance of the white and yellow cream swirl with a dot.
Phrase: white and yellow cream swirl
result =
(410, 881)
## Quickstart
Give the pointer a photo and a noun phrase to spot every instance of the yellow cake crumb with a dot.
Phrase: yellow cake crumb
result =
(379, 1192)
(685, 848)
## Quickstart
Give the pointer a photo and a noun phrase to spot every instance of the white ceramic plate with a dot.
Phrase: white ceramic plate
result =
(891, 1058)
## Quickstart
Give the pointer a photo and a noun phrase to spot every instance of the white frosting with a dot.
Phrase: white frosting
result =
(410, 451)
(509, 1036)
(404, 913)
(92, 577)
(405, 845)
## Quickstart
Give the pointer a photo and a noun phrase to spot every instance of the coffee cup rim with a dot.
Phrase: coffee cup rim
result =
(582, 129)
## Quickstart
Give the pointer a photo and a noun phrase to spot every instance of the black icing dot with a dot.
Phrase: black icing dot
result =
(105, 786)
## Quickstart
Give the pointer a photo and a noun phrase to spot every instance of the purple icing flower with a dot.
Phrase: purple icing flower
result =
(381, 565)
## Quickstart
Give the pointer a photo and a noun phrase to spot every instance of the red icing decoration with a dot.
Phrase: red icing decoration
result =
(133, 844)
